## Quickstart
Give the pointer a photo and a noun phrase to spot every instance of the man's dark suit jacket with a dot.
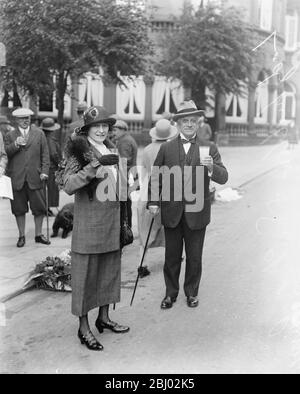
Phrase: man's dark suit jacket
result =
(27, 162)
(172, 154)
(127, 148)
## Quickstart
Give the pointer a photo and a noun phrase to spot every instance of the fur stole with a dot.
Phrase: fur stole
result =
(79, 153)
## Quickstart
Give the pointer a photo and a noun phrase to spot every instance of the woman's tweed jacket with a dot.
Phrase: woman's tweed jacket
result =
(96, 227)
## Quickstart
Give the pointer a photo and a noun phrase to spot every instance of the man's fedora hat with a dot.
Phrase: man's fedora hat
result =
(22, 113)
(188, 108)
(163, 130)
(94, 115)
(48, 124)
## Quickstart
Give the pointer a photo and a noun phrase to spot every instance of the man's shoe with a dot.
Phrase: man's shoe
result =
(167, 302)
(21, 242)
(42, 240)
(192, 302)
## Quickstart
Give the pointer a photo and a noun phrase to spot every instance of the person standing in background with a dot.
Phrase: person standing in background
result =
(127, 149)
(49, 127)
(204, 130)
(28, 167)
(162, 132)
(5, 126)
(3, 157)
(81, 107)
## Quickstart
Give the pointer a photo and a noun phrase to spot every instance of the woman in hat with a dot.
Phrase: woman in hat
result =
(49, 127)
(96, 255)
(5, 126)
(162, 132)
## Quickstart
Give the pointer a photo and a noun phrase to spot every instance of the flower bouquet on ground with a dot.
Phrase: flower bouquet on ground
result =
(53, 273)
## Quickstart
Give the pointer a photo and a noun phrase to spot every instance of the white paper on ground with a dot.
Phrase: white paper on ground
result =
(228, 195)
(5, 187)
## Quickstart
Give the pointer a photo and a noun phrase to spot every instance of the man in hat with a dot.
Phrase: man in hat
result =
(182, 219)
(28, 168)
(127, 149)
(81, 108)
(5, 125)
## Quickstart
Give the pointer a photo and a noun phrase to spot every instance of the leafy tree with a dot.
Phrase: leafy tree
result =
(210, 47)
(62, 38)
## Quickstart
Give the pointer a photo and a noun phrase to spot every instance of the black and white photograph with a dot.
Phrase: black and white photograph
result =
(149, 189)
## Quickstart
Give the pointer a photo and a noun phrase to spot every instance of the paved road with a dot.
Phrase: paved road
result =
(248, 320)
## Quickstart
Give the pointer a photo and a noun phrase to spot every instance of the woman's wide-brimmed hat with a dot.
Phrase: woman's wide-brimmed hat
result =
(94, 115)
(48, 124)
(188, 108)
(163, 130)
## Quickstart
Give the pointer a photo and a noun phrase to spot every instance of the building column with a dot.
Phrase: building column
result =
(272, 110)
(251, 109)
(110, 98)
(221, 136)
(74, 98)
(149, 81)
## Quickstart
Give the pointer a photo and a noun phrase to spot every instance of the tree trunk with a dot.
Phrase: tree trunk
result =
(220, 117)
(198, 95)
(61, 87)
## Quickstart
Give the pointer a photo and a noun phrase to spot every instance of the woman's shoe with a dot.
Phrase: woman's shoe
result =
(110, 325)
(89, 341)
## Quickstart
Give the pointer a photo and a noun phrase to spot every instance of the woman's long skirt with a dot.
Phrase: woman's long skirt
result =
(96, 281)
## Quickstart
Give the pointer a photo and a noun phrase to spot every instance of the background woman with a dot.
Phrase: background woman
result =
(162, 132)
(96, 256)
(49, 127)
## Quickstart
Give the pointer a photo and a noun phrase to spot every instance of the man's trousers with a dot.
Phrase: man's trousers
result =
(194, 241)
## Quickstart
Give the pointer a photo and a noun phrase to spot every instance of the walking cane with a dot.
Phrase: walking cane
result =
(47, 209)
(145, 249)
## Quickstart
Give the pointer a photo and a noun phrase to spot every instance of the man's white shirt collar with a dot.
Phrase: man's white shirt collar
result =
(186, 146)
(24, 132)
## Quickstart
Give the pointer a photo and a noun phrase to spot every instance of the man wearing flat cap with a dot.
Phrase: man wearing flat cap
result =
(194, 162)
(28, 168)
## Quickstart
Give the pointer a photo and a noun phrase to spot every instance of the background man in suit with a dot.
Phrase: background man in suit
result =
(181, 224)
(28, 167)
(127, 149)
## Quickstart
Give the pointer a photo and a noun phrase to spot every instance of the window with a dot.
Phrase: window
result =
(91, 89)
(47, 104)
(131, 98)
(288, 102)
(291, 32)
(266, 14)
(166, 96)
(237, 107)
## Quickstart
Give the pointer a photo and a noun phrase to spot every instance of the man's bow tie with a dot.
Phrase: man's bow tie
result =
(191, 141)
